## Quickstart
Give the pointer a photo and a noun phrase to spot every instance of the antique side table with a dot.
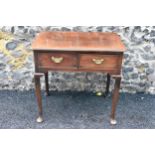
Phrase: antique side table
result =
(78, 51)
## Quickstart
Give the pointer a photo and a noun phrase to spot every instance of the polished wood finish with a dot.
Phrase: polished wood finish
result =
(38, 92)
(78, 41)
(106, 62)
(67, 61)
(46, 83)
(78, 51)
(115, 96)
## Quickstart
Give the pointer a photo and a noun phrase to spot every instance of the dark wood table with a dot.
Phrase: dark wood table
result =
(78, 51)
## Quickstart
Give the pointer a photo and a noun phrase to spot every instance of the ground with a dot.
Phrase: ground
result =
(75, 110)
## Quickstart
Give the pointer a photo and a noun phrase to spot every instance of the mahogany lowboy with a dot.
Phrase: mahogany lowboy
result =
(78, 51)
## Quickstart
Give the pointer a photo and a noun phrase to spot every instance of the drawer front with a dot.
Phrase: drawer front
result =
(57, 61)
(100, 62)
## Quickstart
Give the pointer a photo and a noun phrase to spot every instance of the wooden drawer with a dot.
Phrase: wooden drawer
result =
(100, 62)
(57, 61)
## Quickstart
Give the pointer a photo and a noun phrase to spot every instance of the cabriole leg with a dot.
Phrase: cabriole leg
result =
(38, 96)
(115, 99)
(46, 83)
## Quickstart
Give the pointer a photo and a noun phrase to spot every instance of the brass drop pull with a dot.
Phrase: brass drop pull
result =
(57, 60)
(98, 61)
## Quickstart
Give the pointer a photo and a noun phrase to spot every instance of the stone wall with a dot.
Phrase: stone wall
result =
(17, 68)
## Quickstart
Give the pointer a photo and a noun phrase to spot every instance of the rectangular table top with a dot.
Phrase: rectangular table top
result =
(78, 41)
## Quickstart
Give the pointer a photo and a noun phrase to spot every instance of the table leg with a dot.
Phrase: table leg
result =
(38, 96)
(107, 85)
(115, 98)
(46, 83)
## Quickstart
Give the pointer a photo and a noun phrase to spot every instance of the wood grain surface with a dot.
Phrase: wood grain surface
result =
(78, 41)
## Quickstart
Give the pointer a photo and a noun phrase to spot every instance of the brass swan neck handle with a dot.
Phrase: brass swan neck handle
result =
(98, 61)
(57, 60)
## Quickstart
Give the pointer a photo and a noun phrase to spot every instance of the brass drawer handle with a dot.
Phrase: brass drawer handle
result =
(98, 61)
(57, 60)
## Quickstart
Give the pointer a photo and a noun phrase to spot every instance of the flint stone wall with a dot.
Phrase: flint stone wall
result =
(138, 71)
